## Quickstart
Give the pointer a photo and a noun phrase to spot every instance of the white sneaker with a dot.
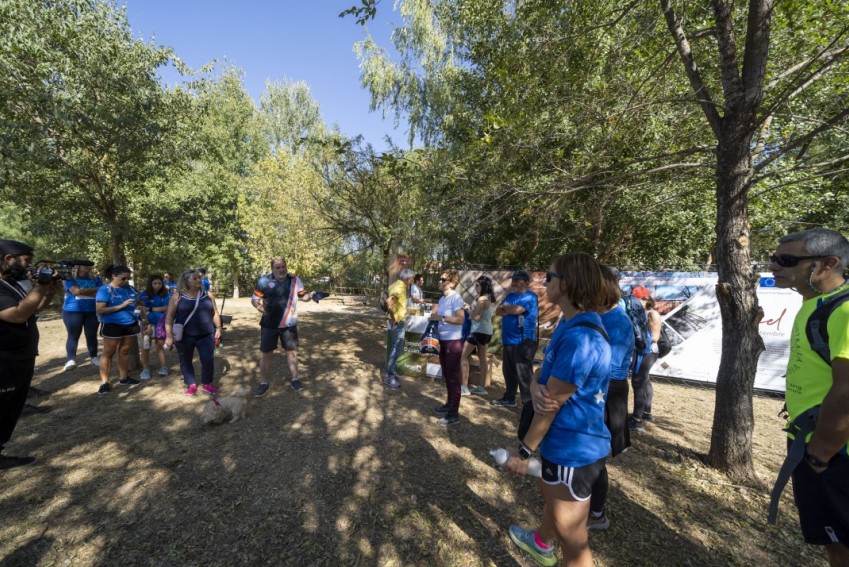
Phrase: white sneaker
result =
(145, 375)
(95, 361)
(71, 364)
(163, 371)
(464, 390)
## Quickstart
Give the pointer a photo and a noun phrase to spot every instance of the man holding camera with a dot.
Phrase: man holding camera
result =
(18, 337)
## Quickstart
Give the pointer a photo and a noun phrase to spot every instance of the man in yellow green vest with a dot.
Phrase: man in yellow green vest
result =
(813, 263)
(396, 312)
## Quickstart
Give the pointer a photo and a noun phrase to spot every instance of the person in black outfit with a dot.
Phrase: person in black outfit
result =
(18, 338)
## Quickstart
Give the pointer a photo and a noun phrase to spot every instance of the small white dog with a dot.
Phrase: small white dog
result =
(229, 408)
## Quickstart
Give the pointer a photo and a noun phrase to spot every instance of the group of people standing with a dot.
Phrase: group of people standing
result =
(121, 314)
(575, 409)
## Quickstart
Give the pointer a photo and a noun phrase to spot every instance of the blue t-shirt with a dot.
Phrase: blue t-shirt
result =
(581, 356)
(518, 328)
(170, 285)
(621, 333)
(114, 296)
(204, 282)
(82, 303)
(150, 302)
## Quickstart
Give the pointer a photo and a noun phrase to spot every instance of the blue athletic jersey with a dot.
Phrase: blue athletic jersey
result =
(618, 326)
(150, 302)
(81, 304)
(581, 356)
(170, 285)
(113, 297)
(517, 328)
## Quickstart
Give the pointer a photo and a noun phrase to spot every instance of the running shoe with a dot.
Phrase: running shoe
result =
(464, 391)
(128, 381)
(261, 390)
(479, 390)
(145, 375)
(192, 390)
(105, 388)
(442, 409)
(70, 365)
(448, 420)
(210, 389)
(525, 540)
(504, 403)
(296, 384)
(597, 523)
(95, 361)
(163, 371)
(392, 383)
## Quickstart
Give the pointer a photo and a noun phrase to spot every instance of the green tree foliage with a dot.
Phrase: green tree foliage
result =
(84, 122)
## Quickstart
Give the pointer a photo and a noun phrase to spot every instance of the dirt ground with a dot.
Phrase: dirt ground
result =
(346, 472)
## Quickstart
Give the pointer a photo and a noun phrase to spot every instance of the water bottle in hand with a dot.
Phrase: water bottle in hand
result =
(501, 456)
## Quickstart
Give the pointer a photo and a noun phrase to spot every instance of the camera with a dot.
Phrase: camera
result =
(45, 272)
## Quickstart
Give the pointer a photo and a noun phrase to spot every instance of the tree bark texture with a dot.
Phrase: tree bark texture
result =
(742, 345)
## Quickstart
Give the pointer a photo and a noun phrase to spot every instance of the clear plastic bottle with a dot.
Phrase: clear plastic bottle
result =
(501, 456)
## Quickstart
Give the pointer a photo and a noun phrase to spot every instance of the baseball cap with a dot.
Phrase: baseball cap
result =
(521, 275)
(14, 247)
(641, 292)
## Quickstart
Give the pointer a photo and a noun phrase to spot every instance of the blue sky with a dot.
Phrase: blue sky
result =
(301, 40)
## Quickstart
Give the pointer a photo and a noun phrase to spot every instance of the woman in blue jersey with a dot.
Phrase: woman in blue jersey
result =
(116, 306)
(196, 310)
(154, 300)
(568, 427)
(479, 337)
(79, 312)
(621, 333)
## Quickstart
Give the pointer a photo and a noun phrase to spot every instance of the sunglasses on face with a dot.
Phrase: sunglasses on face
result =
(788, 260)
(549, 275)
(443, 280)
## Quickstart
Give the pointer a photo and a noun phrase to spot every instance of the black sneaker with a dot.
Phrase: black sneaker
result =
(505, 403)
(296, 384)
(30, 409)
(635, 424)
(442, 409)
(105, 388)
(8, 462)
(129, 381)
(448, 420)
(647, 417)
(261, 389)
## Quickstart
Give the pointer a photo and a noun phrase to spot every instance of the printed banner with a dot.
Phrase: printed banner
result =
(687, 302)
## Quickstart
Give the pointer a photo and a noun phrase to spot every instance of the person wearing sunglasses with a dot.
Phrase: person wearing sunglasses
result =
(813, 263)
(116, 307)
(572, 440)
(450, 314)
(518, 312)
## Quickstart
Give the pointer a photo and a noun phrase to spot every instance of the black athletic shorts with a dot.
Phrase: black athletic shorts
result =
(115, 331)
(287, 336)
(616, 416)
(579, 480)
(478, 339)
(823, 501)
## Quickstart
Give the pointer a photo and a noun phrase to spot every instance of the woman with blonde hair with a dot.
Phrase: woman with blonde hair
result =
(193, 313)
(568, 426)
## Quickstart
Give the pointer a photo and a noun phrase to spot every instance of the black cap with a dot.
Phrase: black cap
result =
(521, 275)
(14, 247)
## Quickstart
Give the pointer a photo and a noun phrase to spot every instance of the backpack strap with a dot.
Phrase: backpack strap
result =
(816, 329)
(600, 330)
(801, 427)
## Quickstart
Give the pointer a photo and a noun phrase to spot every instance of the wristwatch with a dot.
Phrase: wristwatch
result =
(524, 452)
(815, 462)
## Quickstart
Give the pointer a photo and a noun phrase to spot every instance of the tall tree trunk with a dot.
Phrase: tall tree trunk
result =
(733, 420)
(116, 245)
(235, 282)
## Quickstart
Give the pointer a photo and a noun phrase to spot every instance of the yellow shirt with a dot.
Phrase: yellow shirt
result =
(809, 378)
(399, 291)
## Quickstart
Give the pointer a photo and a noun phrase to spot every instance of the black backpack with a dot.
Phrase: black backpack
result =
(816, 328)
(639, 321)
(664, 344)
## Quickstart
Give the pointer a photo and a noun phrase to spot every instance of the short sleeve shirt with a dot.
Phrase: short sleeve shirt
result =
(399, 291)
(447, 307)
(518, 328)
(114, 296)
(578, 355)
(18, 341)
(151, 302)
(280, 300)
(80, 303)
(618, 326)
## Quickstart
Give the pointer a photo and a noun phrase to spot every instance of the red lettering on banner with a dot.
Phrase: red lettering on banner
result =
(776, 322)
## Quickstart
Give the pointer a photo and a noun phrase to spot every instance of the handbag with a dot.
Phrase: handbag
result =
(159, 331)
(177, 328)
